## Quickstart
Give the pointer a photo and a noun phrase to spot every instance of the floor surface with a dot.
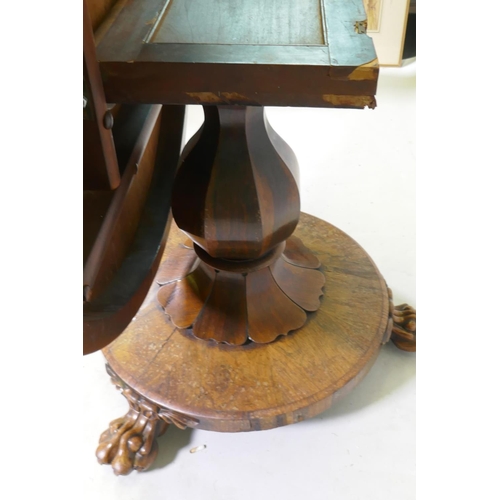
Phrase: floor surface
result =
(358, 173)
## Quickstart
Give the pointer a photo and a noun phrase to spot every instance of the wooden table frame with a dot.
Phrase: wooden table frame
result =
(241, 295)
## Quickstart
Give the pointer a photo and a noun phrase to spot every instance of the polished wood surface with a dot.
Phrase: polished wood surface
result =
(122, 217)
(125, 254)
(233, 194)
(100, 166)
(251, 53)
(238, 201)
(258, 320)
(130, 441)
(222, 301)
(261, 386)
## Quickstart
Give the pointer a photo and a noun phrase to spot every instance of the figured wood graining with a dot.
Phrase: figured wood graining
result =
(238, 201)
(224, 304)
(268, 22)
(261, 386)
(295, 254)
(308, 293)
(233, 194)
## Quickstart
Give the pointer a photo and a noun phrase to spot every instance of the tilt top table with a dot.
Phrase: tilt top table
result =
(242, 52)
(259, 316)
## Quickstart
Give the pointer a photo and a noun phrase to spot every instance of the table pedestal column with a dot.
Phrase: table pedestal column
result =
(256, 320)
(242, 277)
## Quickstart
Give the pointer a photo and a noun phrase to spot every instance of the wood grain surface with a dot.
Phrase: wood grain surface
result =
(238, 201)
(273, 52)
(233, 193)
(253, 387)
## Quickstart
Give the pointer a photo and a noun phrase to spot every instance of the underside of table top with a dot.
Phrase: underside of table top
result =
(244, 52)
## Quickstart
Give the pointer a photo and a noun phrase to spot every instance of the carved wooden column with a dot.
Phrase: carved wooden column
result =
(239, 276)
(242, 275)
(130, 442)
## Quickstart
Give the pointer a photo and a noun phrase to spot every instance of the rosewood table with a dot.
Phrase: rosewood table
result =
(260, 315)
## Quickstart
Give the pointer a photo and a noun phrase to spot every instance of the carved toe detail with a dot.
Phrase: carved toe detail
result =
(402, 326)
(130, 441)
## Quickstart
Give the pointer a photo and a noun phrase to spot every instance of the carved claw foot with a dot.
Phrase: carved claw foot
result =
(130, 441)
(402, 326)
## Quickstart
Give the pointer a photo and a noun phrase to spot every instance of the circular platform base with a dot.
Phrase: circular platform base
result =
(225, 388)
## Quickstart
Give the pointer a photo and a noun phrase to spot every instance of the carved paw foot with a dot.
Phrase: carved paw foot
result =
(402, 326)
(130, 441)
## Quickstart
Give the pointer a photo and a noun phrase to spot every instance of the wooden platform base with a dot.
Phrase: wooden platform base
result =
(171, 377)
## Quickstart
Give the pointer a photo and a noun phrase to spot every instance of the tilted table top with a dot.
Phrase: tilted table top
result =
(245, 52)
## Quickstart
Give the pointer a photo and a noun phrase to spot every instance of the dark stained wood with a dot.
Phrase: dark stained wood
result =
(107, 313)
(233, 194)
(261, 386)
(284, 151)
(222, 341)
(130, 121)
(297, 254)
(100, 166)
(95, 207)
(184, 299)
(223, 318)
(311, 282)
(123, 215)
(237, 301)
(281, 53)
(271, 312)
(240, 266)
